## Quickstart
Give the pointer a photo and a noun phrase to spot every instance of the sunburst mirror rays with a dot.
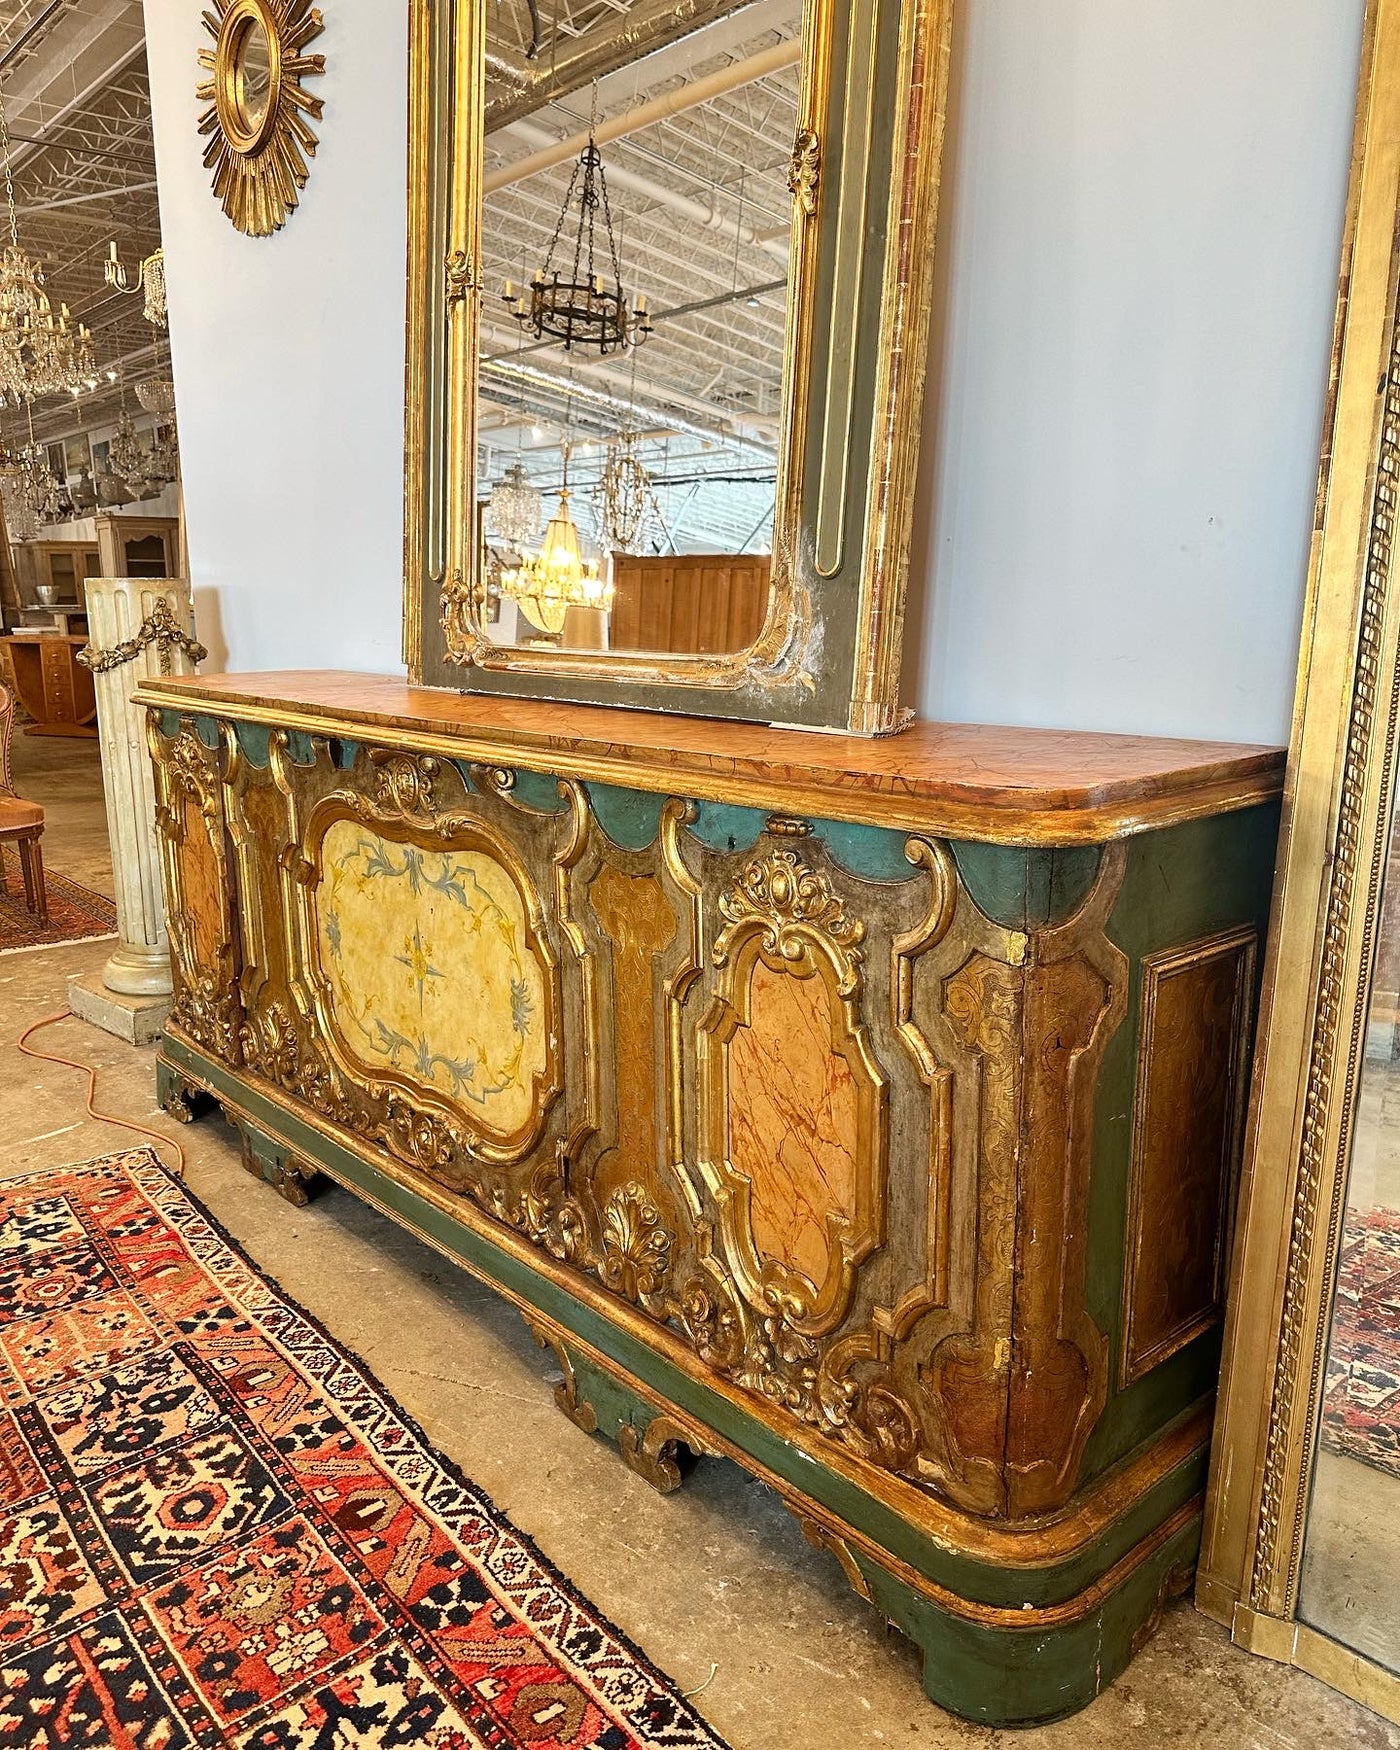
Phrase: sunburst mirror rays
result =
(257, 123)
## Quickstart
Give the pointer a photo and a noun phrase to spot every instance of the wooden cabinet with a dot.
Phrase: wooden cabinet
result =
(43, 670)
(138, 546)
(866, 1112)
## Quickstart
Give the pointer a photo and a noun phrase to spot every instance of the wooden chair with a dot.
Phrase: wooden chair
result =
(20, 821)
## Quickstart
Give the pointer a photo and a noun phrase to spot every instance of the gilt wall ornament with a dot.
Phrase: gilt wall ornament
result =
(259, 114)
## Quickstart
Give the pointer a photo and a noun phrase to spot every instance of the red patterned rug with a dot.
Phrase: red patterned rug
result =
(218, 1528)
(75, 912)
(1361, 1405)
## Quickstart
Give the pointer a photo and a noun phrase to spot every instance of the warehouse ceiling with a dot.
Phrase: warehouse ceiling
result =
(698, 197)
(77, 103)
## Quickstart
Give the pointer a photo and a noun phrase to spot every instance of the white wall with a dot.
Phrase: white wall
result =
(288, 359)
(1137, 270)
(1138, 259)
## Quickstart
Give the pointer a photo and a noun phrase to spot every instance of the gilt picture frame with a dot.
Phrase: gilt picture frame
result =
(864, 177)
(1338, 805)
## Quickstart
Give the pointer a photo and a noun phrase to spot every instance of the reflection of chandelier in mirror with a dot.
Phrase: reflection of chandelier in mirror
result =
(514, 510)
(548, 583)
(135, 469)
(126, 452)
(623, 496)
(581, 310)
(40, 353)
(150, 278)
(36, 486)
(157, 395)
(21, 522)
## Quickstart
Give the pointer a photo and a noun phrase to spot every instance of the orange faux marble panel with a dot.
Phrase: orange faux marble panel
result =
(201, 883)
(793, 1108)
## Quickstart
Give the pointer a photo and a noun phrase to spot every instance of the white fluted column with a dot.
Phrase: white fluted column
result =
(151, 614)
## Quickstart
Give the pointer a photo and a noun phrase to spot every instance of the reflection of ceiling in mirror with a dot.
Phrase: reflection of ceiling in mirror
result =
(702, 212)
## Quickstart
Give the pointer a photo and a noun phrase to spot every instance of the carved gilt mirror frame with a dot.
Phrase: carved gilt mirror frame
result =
(1338, 806)
(864, 181)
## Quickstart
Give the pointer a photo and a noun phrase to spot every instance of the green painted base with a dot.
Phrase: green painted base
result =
(1002, 1644)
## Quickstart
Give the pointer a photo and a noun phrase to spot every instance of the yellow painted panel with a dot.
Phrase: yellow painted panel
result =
(431, 972)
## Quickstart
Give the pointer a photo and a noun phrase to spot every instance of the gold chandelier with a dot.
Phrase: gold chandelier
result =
(548, 583)
(40, 353)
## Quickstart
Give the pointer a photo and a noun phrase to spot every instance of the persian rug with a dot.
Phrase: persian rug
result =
(219, 1529)
(1361, 1401)
(75, 912)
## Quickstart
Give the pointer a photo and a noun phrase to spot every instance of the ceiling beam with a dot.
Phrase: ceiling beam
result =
(651, 24)
(730, 78)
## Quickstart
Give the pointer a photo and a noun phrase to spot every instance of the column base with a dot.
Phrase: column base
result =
(137, 1019)
(138, 972)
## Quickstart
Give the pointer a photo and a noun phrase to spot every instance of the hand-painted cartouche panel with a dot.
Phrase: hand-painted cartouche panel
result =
(427, 953)
(831, 1125)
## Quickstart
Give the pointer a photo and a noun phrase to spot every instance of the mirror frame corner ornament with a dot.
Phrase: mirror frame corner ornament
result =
(830, 652)
(1338, 803)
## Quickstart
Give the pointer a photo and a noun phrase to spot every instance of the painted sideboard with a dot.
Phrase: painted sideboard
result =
(864, 1112)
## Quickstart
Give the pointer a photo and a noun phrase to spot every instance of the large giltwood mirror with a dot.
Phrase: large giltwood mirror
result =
(669, 276)
(1302, 1545)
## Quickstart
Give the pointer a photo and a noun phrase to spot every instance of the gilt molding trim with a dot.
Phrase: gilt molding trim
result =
(1363, 823)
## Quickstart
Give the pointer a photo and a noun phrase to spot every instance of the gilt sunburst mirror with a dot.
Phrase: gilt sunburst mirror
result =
(259, 115)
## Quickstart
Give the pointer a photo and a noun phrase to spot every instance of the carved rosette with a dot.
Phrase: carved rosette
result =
(635, 1250)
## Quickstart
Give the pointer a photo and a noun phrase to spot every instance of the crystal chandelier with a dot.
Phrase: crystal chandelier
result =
(126, 453)
(150, 278)
(578, 308)
(548, 583)
(21, 524)
(135, 469)
(40, 353)
(623, 498)
(36, 483)
(513, 511)
(157, 395)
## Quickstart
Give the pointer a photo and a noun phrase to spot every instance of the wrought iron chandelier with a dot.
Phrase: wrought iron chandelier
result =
(514, 510)
(577, 307)
(40, 353)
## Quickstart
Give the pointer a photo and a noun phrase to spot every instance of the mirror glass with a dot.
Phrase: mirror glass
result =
(635, 243)
(253, 74)
(1351, 1552)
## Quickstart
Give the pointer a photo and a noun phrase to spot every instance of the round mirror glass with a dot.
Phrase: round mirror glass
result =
(253, 74)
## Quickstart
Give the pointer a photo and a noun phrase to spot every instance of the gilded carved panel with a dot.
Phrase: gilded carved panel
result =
(198, 886)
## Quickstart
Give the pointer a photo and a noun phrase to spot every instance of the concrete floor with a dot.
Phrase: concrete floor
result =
(715, 1582)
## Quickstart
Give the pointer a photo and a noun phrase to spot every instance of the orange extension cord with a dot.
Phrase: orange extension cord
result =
(90, 1072)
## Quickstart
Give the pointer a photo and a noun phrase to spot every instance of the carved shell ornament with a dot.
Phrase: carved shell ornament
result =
(259, 114)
